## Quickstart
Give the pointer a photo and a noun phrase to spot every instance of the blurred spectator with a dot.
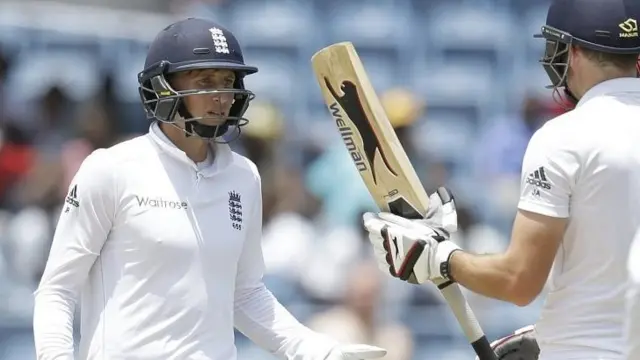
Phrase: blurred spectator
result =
(499, 153)
(289, 231)
(263, 134)
(403, 108)
(334, 250)
(288, 207)
(475, 235)
(16, 158)
(41, 186)
(27, 245)
(359, 317)
(261, 140)
(95, 129)
(502, 146)
(52, 130)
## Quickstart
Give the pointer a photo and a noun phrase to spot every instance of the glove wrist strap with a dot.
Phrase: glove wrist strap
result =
(445, 267)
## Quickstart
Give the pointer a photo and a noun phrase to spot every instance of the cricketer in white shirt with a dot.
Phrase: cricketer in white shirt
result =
(166, 254)
(581, 174)
(160, 236)
(581, 166)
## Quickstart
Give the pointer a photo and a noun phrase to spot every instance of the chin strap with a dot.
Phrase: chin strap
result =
(192, 128)
(565, 100)
(205, 131)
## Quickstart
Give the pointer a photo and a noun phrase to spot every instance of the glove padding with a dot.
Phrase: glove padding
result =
(521, 345)
(415, 250)
(356, 352)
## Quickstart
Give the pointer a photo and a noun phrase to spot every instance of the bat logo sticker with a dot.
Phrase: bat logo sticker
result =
(351, 104)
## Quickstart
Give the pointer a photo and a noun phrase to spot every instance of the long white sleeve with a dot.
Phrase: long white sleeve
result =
(259, 315)
(81, 231)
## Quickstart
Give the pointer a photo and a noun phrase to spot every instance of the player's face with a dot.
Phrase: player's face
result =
(213, 108)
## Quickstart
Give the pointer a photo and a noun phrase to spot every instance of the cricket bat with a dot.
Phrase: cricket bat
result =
(382, 162)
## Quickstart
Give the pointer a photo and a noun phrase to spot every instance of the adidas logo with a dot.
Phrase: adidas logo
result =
(539, 178)
(72, 198)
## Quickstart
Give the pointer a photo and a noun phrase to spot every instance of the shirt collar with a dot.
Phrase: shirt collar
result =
(610, 87)
(222, 152)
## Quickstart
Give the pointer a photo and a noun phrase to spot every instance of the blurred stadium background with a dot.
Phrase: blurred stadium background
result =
(459, 80)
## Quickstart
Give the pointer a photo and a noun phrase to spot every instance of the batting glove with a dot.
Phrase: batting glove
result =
(521, 345)
(416, 251)
(356, 352)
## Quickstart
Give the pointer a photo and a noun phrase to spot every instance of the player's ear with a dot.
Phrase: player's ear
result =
(576, 56)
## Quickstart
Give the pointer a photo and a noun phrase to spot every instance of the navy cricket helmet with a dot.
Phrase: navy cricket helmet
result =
(193, 44)
(609, 26)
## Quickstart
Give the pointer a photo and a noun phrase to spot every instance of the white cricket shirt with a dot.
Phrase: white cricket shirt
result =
(167, 258)
(585, 165)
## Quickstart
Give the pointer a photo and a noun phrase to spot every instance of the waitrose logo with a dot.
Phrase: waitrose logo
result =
(159, 202)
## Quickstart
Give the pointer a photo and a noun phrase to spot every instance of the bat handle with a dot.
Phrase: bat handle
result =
(467, 320)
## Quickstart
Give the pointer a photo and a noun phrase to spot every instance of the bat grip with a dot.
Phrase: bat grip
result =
(467, 320)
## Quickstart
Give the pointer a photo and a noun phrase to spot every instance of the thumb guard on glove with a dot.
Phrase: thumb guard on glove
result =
(442, 211)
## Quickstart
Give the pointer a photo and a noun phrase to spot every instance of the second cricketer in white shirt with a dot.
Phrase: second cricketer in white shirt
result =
(161, 234)
(578, 208)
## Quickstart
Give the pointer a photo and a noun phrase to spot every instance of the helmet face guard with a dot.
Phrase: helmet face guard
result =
(555, 60)
(555, 63)
(163, 103)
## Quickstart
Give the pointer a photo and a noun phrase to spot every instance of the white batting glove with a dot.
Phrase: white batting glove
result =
(356, 352)
(416, 251)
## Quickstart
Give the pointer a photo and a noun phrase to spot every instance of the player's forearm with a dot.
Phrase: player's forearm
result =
(260, 317)
(53, 325)
(488, 275)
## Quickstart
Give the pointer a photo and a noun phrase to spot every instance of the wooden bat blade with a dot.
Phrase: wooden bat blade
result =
(367, 133)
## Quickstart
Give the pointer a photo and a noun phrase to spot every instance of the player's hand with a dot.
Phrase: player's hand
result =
(415, 250)
(521, 345)
(356, 352)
